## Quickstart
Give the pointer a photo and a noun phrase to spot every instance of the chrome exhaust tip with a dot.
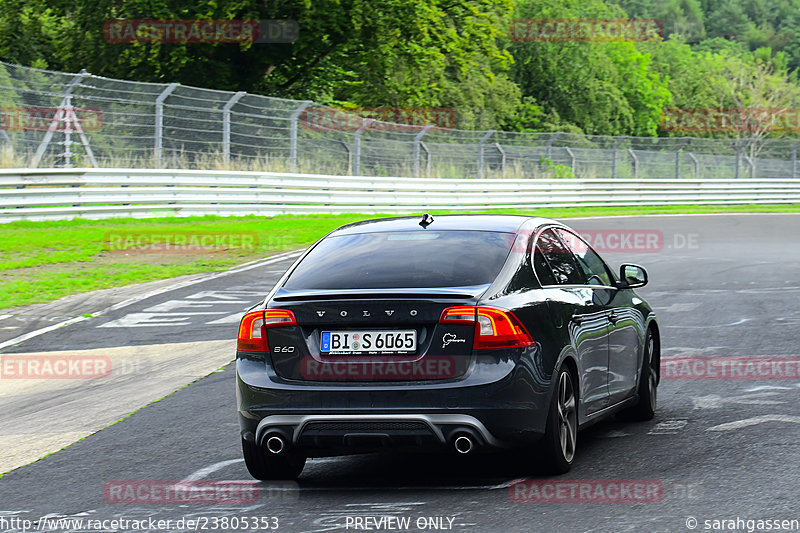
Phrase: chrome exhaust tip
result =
(275, 444)
(463, 444)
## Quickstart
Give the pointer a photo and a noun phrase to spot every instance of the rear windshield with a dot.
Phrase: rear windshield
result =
(403, 259)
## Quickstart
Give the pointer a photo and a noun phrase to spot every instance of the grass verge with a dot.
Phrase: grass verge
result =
(44, 261)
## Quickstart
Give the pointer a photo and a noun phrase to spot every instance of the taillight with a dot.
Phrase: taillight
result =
(462, 314)
(254, 325)
(494, 328)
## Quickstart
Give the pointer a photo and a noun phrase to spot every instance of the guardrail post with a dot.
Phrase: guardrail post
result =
(293, 133)
(159, 135)
(480, 151)
(417, 139)
(366, 123)
(37, 158)
(226, 125)
(614, 156)
(678, 157)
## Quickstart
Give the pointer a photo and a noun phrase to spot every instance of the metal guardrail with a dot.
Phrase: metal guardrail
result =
(101, 193)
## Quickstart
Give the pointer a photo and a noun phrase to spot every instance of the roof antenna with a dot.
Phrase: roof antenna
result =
(426, 221)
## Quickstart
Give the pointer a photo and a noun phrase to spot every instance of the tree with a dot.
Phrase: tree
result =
(600, 87)
(683, 18)
(367, 52)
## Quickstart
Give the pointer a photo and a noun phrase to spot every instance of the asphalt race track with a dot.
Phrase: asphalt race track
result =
(719, 449)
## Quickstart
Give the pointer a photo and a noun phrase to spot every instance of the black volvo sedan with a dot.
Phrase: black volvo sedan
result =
(465, 332)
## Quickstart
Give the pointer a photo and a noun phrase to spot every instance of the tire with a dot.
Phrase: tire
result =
(645, 408)
(560, 437)
(265, 466)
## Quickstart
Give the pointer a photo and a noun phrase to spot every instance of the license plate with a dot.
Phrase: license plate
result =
(399, 342)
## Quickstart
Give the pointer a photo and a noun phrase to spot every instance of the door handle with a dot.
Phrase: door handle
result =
(576, 319)
(613, 318)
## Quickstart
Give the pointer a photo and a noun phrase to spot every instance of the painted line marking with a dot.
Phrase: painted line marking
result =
(125, 303)
(715, 401)
(747, 422)
(769, 387)
(154, 320)
(230, 319)
(614, 434)
(208, 470)
(668, 427)
(171, 305)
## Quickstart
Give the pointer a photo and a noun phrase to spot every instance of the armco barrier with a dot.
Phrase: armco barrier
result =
(103, 193)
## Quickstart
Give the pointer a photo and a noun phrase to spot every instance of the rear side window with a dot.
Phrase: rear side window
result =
(562, 265)
(403, 260)
(542, 269)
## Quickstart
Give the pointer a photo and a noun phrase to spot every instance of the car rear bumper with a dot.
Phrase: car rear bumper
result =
(497, 405)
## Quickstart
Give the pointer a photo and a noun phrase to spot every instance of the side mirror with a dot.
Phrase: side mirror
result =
(631, 277)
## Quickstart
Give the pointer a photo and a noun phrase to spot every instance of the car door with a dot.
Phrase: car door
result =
(623, 335)
(574, 307)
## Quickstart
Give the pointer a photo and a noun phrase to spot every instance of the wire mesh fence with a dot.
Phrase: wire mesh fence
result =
(56, 119)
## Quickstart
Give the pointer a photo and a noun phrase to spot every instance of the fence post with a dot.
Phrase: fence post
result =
(678, 157)
(480, 151)
(160, 122)
(226, 125)
(54, 123)
(366, 123)
(67, 133)
(794, 160)
(502, 158)
(614, 156)
(635, 163)
(293, 133)
(572, 159)
(550, 142)
(738, 158)
(424, 147)
(696, 165)
(417, 140)
(752, 165)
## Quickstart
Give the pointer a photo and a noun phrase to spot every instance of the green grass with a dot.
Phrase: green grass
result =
(43, 261)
